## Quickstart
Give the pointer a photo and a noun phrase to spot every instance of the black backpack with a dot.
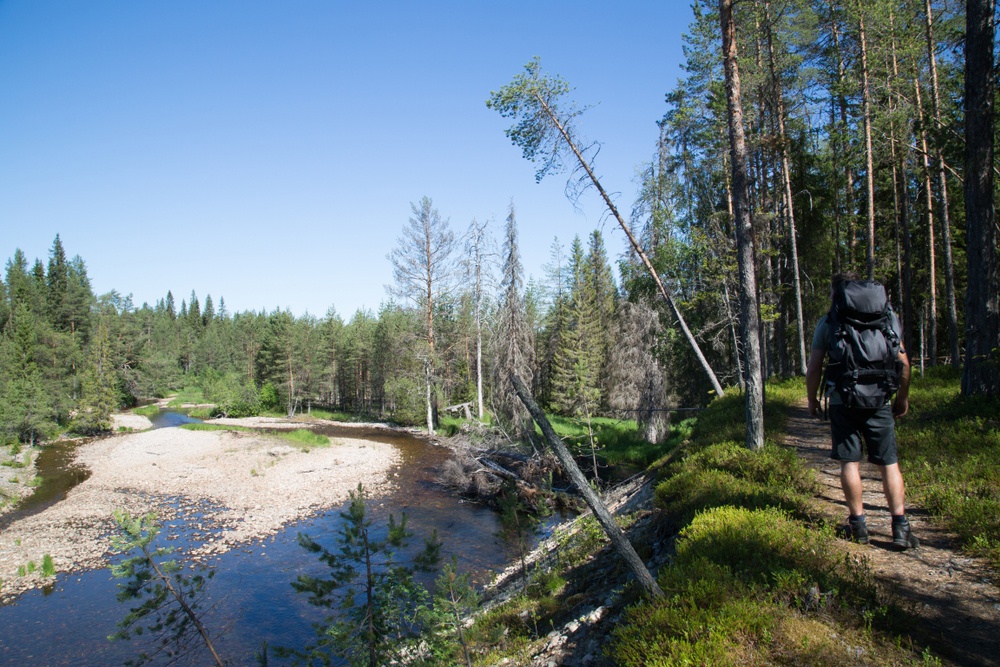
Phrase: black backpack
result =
(864, 348)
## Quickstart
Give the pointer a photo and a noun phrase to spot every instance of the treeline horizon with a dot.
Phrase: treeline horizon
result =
(855, 150)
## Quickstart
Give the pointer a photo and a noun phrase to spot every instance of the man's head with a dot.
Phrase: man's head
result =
(841, 277)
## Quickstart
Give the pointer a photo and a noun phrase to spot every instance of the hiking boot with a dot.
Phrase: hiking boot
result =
(856, 530)
(902, 537)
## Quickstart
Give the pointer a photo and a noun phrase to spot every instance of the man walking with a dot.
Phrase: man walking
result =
(867, 366)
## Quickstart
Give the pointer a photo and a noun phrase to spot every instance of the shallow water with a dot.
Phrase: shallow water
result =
(250, 598)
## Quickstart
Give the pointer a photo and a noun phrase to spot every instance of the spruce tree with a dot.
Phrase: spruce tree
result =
(603, 295)
(575, 389)
(57, 279)
(513, 347)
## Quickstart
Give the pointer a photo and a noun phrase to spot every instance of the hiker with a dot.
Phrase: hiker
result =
(867, 366)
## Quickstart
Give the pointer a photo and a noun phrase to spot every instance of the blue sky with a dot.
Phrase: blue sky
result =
(268, 153)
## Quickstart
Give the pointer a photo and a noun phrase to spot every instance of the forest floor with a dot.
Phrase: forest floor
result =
(953, 599)
(234, 486)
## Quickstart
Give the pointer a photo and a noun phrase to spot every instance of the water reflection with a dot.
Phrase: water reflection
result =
(250, 599)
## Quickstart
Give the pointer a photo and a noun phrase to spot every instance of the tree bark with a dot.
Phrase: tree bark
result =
(749, 317)
(931, 243)
(982, 310)
(601, 513)
(869, 159)
(787, 183)
(949, 266)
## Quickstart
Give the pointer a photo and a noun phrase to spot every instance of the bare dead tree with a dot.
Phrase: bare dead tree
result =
(635, 375)
(513, 347)
(422, 268)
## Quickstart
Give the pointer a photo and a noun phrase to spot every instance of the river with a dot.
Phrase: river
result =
(250, 599)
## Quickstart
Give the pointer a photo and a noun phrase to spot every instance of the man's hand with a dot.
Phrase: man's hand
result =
(814, 374)
(900, 407)
(814, 407)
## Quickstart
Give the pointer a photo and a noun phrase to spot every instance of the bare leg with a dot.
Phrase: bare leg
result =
(892, 486)
(850, 482)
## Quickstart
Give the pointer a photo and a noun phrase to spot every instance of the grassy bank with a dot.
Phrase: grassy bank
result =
(950, 449)
(756, 576)
(300, 437)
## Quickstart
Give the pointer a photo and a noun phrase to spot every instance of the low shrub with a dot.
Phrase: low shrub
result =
(729, 474)
(950, 453)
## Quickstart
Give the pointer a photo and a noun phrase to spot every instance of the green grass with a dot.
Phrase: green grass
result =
(300, 437)
(337, 416)
(617, 440)
(189, 394)
(756, 578)
(147, 410)
(950, 455)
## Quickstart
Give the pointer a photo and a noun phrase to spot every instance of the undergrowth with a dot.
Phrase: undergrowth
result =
(950, 452)
(757, 577)
(147, 410)
(189, 394)
(300, 437)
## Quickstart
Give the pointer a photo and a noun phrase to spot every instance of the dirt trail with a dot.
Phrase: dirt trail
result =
(953, 598)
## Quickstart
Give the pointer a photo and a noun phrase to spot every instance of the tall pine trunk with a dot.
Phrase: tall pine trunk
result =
(744, 233)
(931, 243)
(787, 189)
(869, 159)
(844, 145)
(949, 266)
(982, 309)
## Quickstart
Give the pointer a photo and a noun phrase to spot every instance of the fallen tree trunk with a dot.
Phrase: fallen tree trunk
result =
(601, 513)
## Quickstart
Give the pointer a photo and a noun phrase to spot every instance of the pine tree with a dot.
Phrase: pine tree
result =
(422, 269)
(377, 602)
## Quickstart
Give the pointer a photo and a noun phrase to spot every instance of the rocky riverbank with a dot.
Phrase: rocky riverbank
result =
(242, 486)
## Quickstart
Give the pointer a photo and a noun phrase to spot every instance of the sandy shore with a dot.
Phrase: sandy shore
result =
(245, 486)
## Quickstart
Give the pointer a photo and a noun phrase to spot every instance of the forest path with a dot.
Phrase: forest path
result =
(952, 597)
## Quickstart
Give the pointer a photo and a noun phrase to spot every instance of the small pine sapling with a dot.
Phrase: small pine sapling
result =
(517, 524)
(168, 598)
(455, 598)
(376, 600)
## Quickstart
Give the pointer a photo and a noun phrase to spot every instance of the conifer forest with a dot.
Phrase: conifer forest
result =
(862, 151)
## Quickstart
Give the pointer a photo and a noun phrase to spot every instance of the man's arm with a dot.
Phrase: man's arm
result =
(814, 375)
(901, 405)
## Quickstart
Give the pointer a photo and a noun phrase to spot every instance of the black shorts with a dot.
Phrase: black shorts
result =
(876, 427)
